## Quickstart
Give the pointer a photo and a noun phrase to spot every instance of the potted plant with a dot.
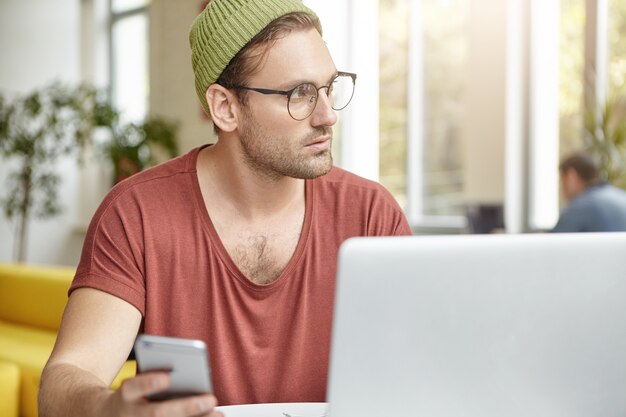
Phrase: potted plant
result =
(58, 120)
(37, 129)
(605, 138)
(132, 147)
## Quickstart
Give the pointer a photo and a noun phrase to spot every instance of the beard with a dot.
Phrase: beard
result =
(281, 156)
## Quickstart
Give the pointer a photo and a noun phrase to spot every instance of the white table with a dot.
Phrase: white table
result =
(275, 410)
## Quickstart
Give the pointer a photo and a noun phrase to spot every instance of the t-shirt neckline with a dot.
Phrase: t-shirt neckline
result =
(296, 258)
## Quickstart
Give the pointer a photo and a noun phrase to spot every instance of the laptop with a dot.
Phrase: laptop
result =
(480, 326)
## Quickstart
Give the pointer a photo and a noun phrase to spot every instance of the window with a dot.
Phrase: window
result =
(129, 57)
(394, 36)
(445, 51)
(571, 75)
(421, 89)
(617, 47)
(603, 79)
(114, 54)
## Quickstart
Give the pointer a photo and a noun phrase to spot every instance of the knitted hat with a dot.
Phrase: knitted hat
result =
(224, 28)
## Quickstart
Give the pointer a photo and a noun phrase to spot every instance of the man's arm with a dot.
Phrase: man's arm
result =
(96, 335)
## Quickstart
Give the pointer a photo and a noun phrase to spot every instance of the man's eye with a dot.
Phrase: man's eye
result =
(302, 91)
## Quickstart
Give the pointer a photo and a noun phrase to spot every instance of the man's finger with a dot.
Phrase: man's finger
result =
(185, 407)
(136, 388)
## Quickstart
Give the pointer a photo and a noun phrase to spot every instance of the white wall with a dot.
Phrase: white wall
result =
(172, 91)
(39, 40)
(484, 122)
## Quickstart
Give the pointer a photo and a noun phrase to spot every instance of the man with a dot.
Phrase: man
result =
(236, 243)
(594, 206)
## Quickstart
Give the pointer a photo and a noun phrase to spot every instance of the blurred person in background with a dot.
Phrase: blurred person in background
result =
(593, 205)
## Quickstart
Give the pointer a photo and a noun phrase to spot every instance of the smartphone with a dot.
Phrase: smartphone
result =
(185, 359)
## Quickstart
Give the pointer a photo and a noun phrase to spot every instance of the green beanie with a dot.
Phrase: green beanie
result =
(224, 28)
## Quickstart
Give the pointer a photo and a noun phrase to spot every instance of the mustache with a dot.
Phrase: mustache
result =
(322, 131)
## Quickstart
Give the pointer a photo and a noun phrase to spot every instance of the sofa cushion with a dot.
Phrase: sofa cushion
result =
(29, 349)
(9, 389)
(34, 295)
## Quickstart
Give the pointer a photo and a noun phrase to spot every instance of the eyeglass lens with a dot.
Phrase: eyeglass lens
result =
(304, 97)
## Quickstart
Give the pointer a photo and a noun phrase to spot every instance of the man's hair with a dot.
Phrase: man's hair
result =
(584, 165)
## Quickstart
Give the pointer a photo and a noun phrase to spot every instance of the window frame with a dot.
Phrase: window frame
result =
(113, 19)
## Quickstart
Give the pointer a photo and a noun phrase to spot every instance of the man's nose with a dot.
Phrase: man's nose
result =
(323, 114)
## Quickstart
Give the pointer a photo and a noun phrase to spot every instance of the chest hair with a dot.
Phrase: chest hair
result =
(263, 257)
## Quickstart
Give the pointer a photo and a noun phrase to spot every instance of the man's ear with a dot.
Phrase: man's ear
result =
(222, 103)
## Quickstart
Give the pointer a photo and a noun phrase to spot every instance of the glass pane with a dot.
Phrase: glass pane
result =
(445, 60)
(393, 96)
(445, 52)
(616, 94)
(130, 66)
(571, 89)
(617, 47)
(119, 6)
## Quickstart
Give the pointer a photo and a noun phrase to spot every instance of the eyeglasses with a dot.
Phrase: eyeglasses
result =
(302, 99)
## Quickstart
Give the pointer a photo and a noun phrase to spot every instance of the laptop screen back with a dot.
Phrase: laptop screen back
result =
(480, 326)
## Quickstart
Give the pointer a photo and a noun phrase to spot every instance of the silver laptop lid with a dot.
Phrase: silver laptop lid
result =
(526, 325)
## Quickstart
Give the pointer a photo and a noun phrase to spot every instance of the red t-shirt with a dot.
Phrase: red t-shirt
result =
(152, 243)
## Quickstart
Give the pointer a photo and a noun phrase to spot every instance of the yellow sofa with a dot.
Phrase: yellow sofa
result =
(32, 299)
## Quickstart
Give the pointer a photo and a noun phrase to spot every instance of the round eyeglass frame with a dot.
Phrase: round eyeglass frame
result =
(288, 93)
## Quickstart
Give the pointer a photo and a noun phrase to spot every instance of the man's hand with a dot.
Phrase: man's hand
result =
(130, 399)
